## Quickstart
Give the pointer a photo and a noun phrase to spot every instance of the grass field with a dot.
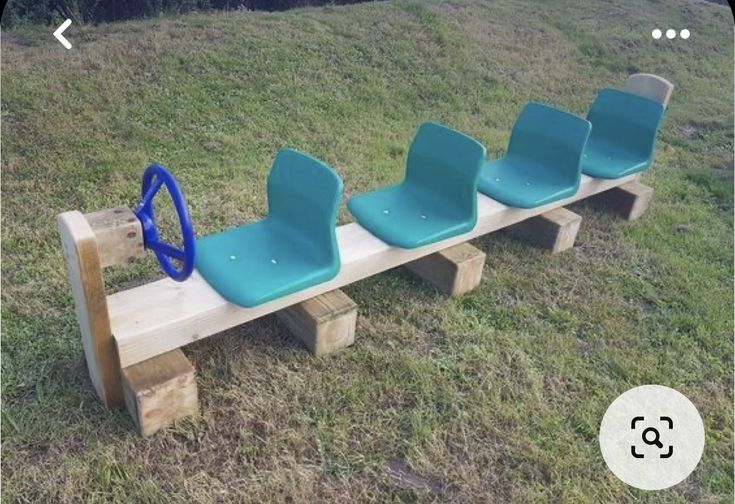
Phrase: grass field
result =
(494, 396)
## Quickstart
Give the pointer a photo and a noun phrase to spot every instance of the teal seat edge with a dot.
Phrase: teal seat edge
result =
(436, 199)
(294, 247)
(624, 130)
(543, 161)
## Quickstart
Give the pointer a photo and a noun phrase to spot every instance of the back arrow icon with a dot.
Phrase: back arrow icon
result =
(60, 37)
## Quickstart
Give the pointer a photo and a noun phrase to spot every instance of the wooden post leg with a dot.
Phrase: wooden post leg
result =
(630, 200)
(324, 324)
(454, 270)
(92, 242)
(554, 230)
(85, 276)
(159, 391)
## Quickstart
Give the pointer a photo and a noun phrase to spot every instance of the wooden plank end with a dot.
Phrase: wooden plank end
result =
(119, 235)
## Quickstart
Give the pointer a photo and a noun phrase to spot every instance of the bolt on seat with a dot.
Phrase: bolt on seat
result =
(623, 138)
(543, 160)
(438, 196)
(293, 248)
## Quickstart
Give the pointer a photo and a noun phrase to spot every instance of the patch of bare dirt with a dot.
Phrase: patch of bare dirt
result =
(690, 131)
(403, 476)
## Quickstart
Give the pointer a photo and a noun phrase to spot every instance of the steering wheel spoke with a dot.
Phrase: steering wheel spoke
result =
(168, 250)
(155, 177)
(147, 198)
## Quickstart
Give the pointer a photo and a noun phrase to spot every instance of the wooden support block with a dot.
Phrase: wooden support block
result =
(160, 390)
(454, 270)
(85, 276)
(119, 235)
(554, 230)
(324, 323)
(630, 200)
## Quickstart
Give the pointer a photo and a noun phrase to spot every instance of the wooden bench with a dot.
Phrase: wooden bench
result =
(132, 338)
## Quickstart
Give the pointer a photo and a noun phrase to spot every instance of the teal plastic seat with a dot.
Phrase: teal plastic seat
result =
(623, 139)
(438, 196)
(543, 160)
(293, 248)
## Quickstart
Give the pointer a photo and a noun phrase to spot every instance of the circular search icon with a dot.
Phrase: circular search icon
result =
(652, 437)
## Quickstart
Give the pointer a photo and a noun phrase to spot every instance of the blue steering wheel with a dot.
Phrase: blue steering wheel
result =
(154, 177)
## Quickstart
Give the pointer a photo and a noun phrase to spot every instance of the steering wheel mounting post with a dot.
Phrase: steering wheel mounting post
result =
(154, 178)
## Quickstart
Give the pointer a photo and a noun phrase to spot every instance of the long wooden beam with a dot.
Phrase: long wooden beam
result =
(164, 315)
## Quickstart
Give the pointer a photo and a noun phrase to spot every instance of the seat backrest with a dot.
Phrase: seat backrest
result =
(650, 86)
(550, 140)
(304, 194)
(625, 120)
(446, 164)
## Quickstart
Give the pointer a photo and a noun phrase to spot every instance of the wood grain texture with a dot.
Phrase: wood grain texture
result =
(630, 201)
(454, 271)
(160, 391)
(160, 316)
(85, 276)
(324, 324)
(554, 230)
(119, 235)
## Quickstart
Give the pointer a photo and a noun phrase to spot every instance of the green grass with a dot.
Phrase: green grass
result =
(495, 396)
